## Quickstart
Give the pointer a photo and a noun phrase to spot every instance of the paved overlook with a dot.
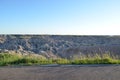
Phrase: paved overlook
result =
(59, 45)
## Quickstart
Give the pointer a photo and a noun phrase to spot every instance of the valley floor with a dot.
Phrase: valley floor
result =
(61, 72)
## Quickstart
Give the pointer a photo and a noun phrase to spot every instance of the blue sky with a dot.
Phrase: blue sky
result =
(73, 17)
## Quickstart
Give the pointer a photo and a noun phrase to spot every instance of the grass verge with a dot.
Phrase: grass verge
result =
(16, 59)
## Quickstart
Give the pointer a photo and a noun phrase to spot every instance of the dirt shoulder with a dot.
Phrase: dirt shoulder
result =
(61, 72)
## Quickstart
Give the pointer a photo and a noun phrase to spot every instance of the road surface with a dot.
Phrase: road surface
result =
(61, 72)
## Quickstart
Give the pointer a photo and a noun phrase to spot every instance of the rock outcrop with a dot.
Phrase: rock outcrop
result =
(60, 46)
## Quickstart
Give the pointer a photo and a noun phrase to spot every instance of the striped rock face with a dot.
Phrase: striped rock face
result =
(60, 46)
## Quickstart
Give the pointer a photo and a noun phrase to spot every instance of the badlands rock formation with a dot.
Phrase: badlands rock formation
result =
(52, 46)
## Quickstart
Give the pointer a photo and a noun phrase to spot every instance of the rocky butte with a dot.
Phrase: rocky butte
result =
(66, 46)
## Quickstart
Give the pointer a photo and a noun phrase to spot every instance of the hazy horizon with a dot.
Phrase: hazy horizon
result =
(63, 17)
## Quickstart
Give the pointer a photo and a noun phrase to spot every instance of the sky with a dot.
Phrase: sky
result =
(60, 17)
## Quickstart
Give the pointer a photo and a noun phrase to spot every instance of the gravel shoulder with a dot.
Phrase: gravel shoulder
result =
(61, 72)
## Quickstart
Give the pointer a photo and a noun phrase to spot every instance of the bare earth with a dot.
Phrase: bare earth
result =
(61, 72)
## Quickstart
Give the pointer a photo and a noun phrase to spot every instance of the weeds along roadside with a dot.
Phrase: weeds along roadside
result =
(17, 59)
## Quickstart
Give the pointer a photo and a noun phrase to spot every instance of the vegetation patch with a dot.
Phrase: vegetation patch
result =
(17, 59)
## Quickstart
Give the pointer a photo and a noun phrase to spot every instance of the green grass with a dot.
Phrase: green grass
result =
(17, 59)
(97, 59)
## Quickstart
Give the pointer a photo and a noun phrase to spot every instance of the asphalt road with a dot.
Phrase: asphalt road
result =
(61, 72)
